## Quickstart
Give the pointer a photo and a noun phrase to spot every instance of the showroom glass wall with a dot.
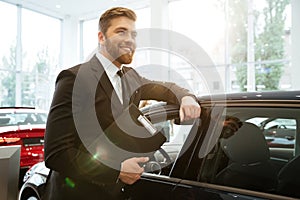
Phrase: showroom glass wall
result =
(236, 41)
(249, 42)
(30, 47)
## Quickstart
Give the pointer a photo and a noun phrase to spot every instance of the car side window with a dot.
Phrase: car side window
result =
(260, 155)
(176, 135)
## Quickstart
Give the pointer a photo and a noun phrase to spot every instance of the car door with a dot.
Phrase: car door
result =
(239, 166)
(158, 184)
(200, 171)
(176, 181)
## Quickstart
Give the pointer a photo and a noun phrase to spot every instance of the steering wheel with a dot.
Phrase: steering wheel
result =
(165, 155)
(155, 166)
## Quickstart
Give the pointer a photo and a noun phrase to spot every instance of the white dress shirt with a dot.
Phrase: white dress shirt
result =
(111, 71)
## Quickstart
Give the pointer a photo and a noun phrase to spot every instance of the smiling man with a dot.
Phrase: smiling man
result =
(91, 91)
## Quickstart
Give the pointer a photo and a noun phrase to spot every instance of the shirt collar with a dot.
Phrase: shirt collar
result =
(108, 66)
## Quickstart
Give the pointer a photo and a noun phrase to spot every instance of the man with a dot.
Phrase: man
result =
(90, 91)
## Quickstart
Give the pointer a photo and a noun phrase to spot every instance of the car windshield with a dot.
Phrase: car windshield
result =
(22, 118)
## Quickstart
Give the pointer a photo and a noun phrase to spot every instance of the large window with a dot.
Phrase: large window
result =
(29, 55)
(201, 21)
(89, 37)
(249, 51)
(249, 41)
(40, 60)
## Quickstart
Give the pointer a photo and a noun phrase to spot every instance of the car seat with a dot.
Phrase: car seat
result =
(289, 178)
(249, 165)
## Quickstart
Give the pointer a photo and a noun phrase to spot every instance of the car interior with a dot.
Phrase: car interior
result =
(248, 159)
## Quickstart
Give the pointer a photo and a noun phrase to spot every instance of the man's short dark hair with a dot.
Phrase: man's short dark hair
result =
(107, 16)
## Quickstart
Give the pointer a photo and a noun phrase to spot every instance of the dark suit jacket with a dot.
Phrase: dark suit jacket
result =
(84, 104)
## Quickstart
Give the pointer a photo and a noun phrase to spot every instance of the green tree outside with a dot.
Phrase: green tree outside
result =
(269, 43)
(8, 78)
(34, 82)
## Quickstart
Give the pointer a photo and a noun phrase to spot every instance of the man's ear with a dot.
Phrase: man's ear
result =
(101, 38)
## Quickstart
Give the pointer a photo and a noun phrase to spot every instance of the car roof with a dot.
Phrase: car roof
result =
(266, 95)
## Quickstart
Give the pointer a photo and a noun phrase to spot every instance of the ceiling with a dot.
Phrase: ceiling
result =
(82, 9)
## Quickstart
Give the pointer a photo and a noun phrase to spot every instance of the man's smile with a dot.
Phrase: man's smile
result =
(126, 49)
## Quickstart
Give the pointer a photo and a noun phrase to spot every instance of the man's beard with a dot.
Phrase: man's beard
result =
(114, 51)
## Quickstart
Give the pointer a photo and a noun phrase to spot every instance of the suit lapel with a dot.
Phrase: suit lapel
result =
(105, 83)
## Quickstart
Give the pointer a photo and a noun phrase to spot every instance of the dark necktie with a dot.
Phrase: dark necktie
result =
(125, 91)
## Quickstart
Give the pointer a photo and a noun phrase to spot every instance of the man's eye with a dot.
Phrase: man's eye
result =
(121, 33)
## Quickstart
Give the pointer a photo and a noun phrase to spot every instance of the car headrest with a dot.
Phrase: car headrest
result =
(246, 146)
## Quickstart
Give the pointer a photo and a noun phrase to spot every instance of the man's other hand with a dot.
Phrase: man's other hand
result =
(131, 169)
(189, 109)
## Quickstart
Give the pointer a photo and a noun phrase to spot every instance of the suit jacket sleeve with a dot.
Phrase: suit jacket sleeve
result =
(64, 151)
(159, 90)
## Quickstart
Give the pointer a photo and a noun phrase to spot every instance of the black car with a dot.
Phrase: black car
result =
(209, 159)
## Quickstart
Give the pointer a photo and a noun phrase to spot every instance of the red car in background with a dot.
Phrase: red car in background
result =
(26, 127)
